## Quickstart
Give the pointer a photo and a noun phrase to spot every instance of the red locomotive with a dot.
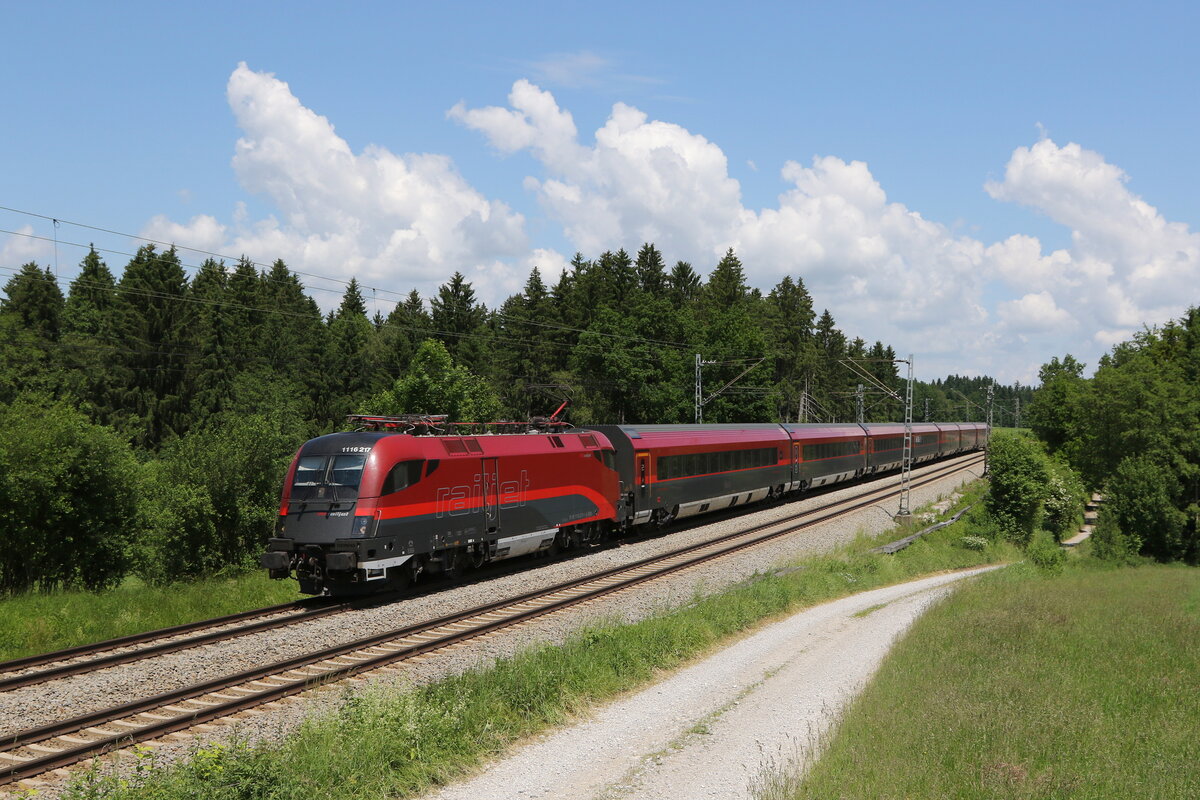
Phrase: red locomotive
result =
(376, 509)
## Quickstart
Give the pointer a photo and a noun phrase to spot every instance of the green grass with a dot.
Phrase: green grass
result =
(1021, 685)
(397, 743)
(38, 623)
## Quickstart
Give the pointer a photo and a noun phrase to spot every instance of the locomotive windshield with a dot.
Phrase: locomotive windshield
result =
(347, 470)
(316, 474)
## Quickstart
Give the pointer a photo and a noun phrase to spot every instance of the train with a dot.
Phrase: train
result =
(377, 508)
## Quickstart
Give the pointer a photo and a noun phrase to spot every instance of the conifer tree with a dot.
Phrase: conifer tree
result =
(683, 285)
(153, 322)
(33, 296)
(458, 321)
(88, 311)
(90, 339)
(651, 270)
(213, 369)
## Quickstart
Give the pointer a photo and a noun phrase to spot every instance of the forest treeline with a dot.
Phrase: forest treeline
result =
(1133, 429)
(145, 421)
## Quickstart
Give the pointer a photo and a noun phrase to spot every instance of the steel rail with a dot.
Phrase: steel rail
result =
(115, 659)
(138, 638)
(263, 692)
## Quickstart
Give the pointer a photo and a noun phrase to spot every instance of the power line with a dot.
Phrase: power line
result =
(317, 276)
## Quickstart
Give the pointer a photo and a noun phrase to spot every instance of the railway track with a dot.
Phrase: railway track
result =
(16, 674)
(49, 747)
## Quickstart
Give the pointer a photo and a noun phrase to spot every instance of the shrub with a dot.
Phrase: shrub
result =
(1019, 477)
(68, 503)
(212, 498)
(1064, 501)
(1045, 553)
(1142, 496)
(978, 543)
(1110, 543)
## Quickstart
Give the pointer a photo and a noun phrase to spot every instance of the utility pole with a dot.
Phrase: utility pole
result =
(701, 400)
(987, 443)
(858, 404)
(906, 470)
(927, 409)
(1017, 413)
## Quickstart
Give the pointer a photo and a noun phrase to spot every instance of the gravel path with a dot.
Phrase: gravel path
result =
(36, 705)
(712, 729)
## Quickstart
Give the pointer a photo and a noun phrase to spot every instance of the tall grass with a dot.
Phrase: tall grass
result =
(395, 743)
(1024, 685)
(38, 623)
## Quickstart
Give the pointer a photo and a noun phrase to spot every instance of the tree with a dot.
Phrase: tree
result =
(1143, 497)
(1019, 478)
(434, 384)
(33, 296)
(651, 270)
(213, 370)
(154, 324)
(350, 367)
(683, 286)
(726, 287)
(68, 499)
(214, 495)
(1051, 414)
(458, 321)
(88, 310)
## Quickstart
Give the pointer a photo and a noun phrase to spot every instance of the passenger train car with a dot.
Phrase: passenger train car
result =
(374, 510)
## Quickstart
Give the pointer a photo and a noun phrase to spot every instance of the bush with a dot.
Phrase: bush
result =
(977, 543)
(1110, 543)
(1046, 554)
(1064, 501)
(213, 497)
(1142, 495)
(68, 504)
(1019, 478)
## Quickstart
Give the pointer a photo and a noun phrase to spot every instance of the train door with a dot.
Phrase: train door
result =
(795, 462)
(491, 495)
(642, 476)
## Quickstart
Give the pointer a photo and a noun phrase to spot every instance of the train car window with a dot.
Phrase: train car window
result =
(434, 463)
(310, 471)
(347, 470)
(402, 475)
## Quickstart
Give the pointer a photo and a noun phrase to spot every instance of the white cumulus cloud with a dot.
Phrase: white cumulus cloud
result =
(885, 271)
(389, 219)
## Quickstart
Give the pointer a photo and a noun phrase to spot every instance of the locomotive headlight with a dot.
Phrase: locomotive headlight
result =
(362, 527)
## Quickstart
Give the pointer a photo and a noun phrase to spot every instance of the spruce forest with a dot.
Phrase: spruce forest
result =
(146, 421)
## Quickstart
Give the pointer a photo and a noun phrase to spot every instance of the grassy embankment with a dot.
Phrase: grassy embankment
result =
(397, 743)
(1021, 685)
(39, 623)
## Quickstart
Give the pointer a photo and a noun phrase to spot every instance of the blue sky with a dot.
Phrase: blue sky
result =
(1071, 126)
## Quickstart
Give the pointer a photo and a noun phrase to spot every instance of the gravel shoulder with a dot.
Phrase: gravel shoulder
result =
(35, 705)
(711, 730)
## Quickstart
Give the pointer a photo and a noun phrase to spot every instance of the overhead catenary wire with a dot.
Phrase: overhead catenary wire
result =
(399, 294)
(485, 336)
